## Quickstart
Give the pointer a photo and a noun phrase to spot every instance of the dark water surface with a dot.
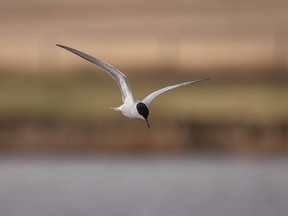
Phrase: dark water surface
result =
(144, 187)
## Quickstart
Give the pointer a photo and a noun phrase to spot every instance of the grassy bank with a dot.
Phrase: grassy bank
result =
(84, 96)
(66, 113)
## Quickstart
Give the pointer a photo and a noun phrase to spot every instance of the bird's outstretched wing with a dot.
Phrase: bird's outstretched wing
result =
(151, 96)
(119, 77)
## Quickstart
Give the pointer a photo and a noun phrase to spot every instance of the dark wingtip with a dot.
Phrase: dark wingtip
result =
(59, 45)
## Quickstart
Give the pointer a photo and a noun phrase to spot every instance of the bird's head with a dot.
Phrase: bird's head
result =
(143, 111)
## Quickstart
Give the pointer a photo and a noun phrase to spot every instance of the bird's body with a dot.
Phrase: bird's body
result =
(131, 108)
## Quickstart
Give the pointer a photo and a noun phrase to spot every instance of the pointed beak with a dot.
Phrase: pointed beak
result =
(146, 120)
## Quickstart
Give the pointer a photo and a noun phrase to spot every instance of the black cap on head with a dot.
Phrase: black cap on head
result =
(142, 110)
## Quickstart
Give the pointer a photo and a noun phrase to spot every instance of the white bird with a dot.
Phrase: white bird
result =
(131, 108)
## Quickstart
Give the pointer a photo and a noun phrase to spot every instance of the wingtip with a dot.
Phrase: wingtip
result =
(59, 45)
(201, 80)
(66, 48)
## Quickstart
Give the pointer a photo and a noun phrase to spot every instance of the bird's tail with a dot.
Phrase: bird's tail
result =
(113, 108)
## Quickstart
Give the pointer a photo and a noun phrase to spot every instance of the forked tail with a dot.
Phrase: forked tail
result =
(113, 108)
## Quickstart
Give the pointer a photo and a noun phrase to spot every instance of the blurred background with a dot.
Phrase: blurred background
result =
(52, 105)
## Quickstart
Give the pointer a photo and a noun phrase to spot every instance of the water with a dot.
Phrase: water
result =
(160, 187)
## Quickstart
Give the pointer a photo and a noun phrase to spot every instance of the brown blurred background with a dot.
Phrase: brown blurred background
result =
(53, 101)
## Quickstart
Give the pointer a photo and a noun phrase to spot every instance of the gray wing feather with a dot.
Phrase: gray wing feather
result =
(119, 77)
(151, 96)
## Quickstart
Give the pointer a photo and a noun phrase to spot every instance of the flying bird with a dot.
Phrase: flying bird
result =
(131, 108)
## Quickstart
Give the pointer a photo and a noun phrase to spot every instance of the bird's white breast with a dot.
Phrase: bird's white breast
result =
(130, 111)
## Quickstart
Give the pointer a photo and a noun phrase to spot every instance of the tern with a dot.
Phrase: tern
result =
(131, 108)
